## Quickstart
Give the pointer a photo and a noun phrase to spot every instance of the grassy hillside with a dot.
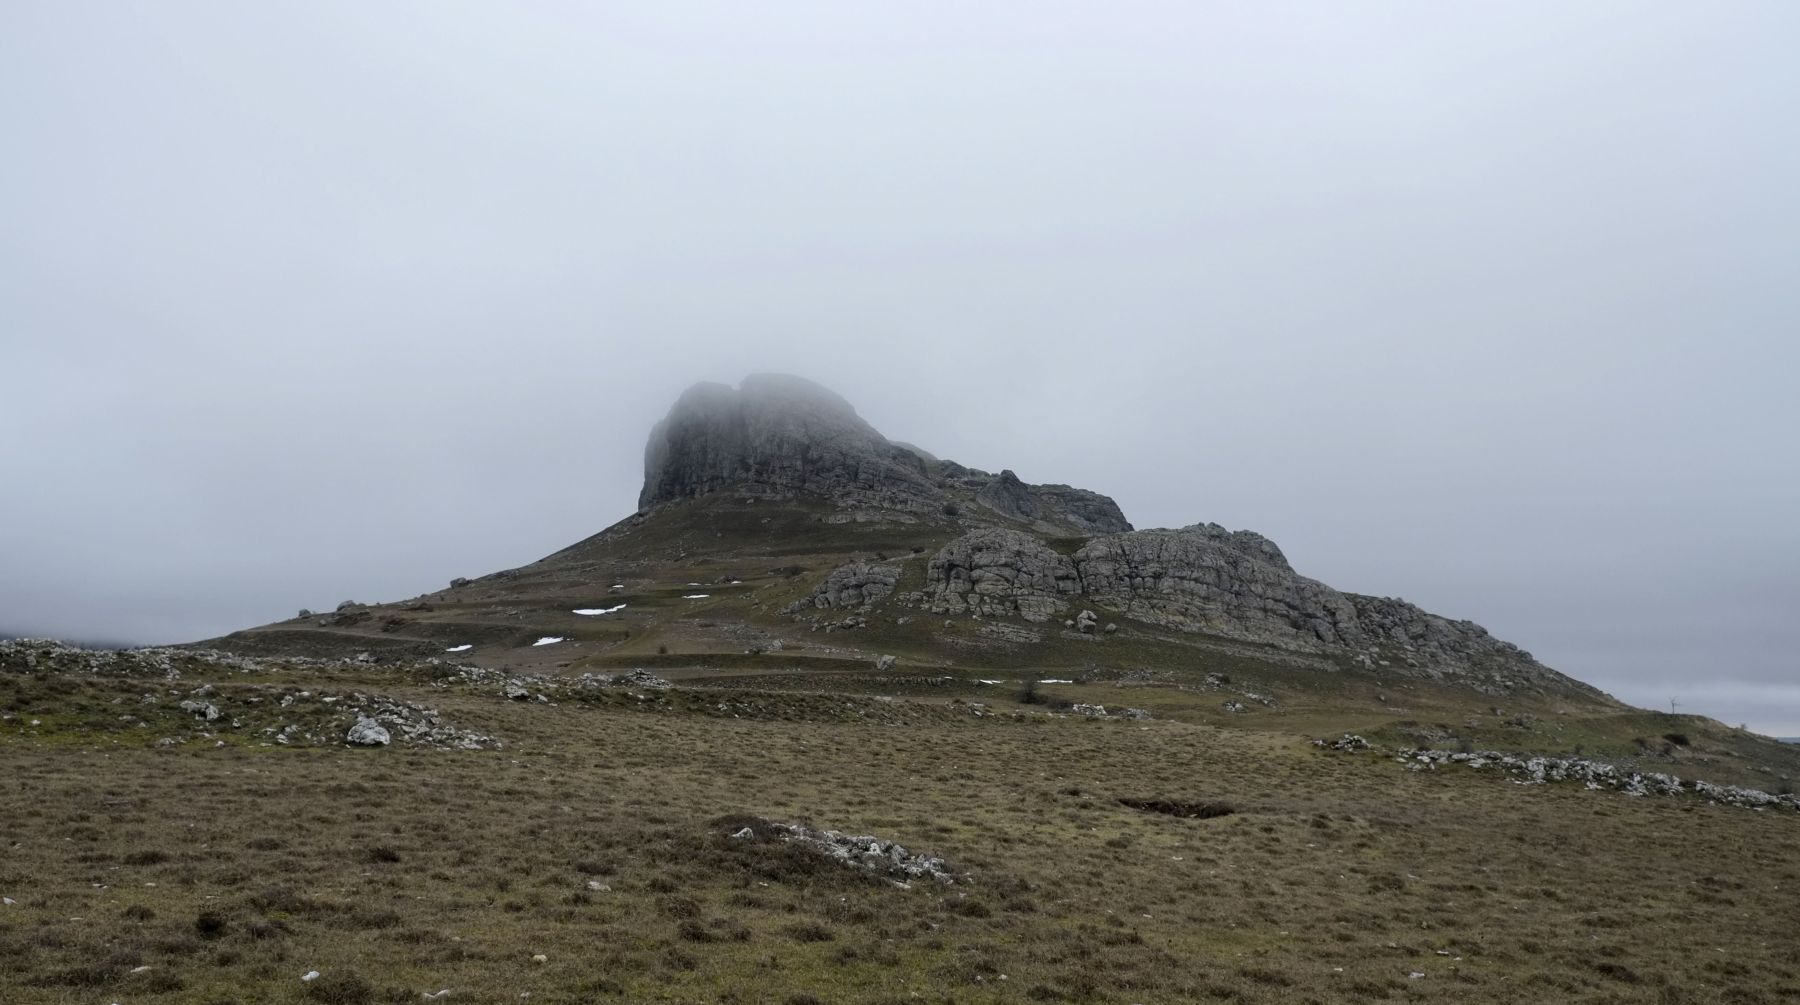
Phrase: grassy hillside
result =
(703, 584)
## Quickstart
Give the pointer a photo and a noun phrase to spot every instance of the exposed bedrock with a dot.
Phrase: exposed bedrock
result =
(1047, 506)
(998, 573)
(857, 585)
(1205, 579)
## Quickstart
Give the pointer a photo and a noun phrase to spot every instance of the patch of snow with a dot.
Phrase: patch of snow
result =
(465, 647)
(1056, 682)
(990, 682)
(696, 596)
(617, 586)
(548, 640)
(591, 611)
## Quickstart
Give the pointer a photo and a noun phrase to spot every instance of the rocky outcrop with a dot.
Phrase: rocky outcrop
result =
(997, 573)
(853, 586)
(1429, 639)
(779, 436)
(367, 733)
(1528, 769)
(863, 851)
(1204, 578)
(1050, 508)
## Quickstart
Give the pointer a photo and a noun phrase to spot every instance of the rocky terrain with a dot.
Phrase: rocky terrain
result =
(176, 697)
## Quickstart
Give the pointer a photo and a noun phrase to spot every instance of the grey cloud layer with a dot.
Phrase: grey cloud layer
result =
(1492, 310)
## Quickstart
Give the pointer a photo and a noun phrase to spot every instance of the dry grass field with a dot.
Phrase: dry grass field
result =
(590, 859)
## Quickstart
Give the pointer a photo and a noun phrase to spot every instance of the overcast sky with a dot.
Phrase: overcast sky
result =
(1493, 307)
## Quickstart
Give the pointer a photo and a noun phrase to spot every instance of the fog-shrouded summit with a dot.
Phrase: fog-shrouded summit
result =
(778, 435)
(782, 436)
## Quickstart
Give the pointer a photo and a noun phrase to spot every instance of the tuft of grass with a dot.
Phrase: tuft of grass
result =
(210, 925)
(341, 988)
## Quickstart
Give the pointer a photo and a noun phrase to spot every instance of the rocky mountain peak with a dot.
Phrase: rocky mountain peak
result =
(777, 435)
(781, 436)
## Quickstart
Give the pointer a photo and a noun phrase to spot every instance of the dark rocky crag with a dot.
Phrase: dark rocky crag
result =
(784, 437)
(781, 437)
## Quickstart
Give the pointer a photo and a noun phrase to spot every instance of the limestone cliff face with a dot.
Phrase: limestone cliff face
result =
(1235, 584)
(783, 437)
(998, 573)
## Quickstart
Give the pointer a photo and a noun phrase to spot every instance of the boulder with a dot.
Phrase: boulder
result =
(367, 733)
(855, 586)
(885, 663)
(201, 709)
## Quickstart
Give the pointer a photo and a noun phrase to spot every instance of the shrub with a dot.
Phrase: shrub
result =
(342, 988)
(809, 931)
(970, 908)
(680, 907)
